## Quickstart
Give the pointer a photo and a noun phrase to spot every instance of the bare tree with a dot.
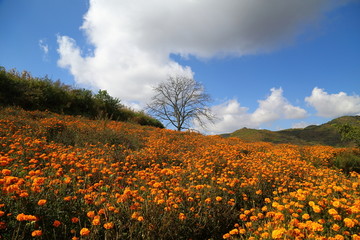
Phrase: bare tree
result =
(179, 100)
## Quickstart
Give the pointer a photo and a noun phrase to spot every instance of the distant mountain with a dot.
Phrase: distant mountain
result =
(324, 134)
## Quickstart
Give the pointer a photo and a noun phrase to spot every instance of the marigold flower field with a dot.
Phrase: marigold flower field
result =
(65, 177)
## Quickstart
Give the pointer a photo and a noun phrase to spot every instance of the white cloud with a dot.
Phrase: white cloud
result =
(333, 105)
(301, 124)
(276, 107)
(133, 39)
(231, 116)
(44, 47)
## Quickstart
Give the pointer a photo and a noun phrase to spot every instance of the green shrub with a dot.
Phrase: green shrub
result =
(348, 161)
(42, 94)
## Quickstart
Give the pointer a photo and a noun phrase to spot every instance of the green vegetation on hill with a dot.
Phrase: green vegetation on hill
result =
(325, 134)
(32, 93)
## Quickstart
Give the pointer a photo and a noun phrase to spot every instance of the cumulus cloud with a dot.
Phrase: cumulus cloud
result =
(333, 105)
(133, 39)
(275, 107)
(231, 116)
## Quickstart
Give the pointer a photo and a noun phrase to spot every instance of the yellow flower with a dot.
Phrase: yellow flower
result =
(355, 237)
(278, 233)
(316, 227)
(316, 208)
(265, 235)
(339, 237)
(305, 216)
(349, 222)
(218, 198)
(332, 211)
(84, 232)
(336, 204)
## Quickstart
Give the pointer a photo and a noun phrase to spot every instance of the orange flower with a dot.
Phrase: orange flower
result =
(336, 204)
(101, 211)
(218, 198)
(6, 172)
(278, 233)
(36, 233)
(109, 225)
(96, 221)
(355, 237)
(23, 217)
(316, 208)
(226, 236)
(339, 237)
(332, 211)
(90, 214)
(349, 222)
(56, 223)
(74, 220)
(42, 202)
(335, 227)
(24, 194)
(182, 216)
(84, 232)
(67, 198)
(135, 215)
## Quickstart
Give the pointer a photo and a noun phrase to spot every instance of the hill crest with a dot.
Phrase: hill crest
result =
(324, 134)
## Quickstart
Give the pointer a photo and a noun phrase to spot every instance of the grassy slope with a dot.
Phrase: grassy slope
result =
(66, 177)
(325, 134)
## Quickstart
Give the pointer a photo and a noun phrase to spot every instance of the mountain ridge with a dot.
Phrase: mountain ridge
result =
(324, 134)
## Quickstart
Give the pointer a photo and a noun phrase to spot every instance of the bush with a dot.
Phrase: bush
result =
(348, 161)
(32, 93)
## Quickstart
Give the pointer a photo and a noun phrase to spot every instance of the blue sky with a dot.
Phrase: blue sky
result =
(274, 65)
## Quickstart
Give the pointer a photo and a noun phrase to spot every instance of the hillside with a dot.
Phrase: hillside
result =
(68, 177)
(32, 93)
(324, 134)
